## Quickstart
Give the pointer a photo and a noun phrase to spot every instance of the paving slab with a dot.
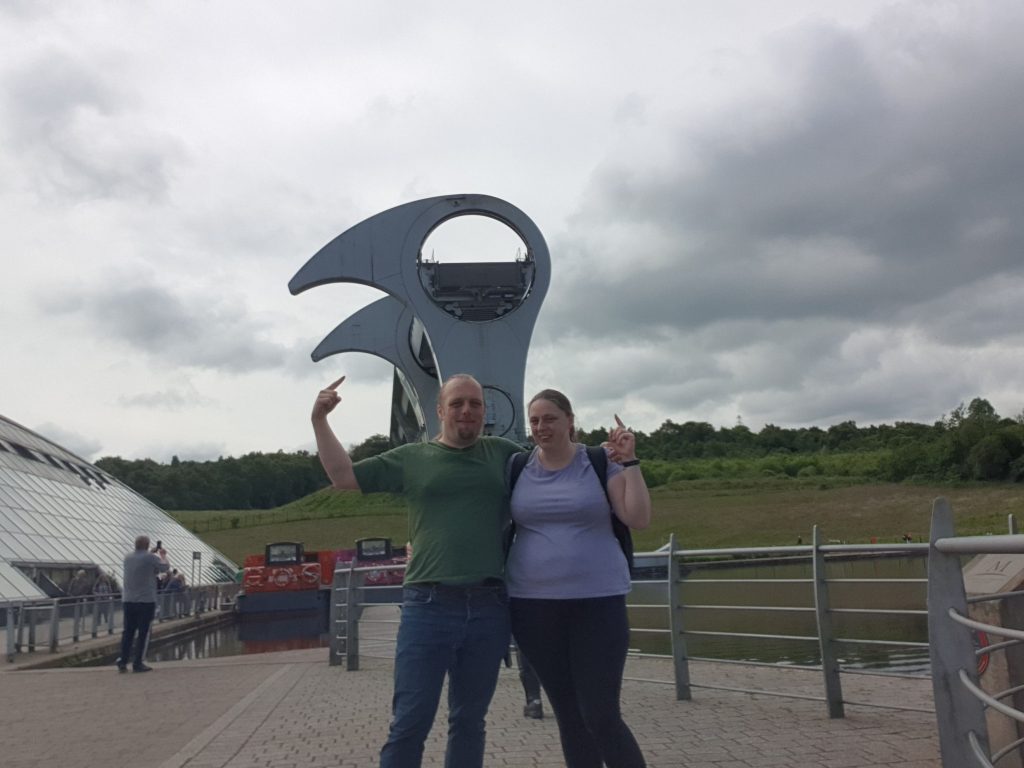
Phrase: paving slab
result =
(292, 709)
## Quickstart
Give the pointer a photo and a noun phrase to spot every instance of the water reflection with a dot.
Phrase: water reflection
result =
(251, 633)
(255, 633)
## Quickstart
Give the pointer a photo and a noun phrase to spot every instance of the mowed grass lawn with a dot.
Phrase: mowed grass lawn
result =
(701, 515)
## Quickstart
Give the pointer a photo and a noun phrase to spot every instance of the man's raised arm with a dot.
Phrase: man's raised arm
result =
(335, 459)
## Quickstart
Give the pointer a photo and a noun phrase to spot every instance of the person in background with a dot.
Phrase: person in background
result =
(534, 708)
(141, 569)
(103, 589)
(568, 578)
(175, 601)
(454, 605)
(80, 585)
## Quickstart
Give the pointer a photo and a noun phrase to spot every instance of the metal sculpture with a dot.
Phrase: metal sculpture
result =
(478, 317)
(386, 329)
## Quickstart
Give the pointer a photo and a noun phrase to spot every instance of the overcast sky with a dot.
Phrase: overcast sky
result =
(796, 212)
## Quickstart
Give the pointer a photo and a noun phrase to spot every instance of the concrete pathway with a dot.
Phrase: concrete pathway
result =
(286, 710)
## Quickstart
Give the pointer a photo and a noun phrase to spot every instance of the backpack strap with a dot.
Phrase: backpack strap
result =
(515, 468)
(599, 459)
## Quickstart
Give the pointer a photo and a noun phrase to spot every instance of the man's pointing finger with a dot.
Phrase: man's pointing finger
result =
(335, 385)
(617, 419)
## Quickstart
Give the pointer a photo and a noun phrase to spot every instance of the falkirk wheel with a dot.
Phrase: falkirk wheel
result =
(438, 319)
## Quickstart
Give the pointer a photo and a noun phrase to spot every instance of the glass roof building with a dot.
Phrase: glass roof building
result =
(59, 514)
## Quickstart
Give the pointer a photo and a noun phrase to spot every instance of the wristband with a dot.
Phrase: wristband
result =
(631, 463)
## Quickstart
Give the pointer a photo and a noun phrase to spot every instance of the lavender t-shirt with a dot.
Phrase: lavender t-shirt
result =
(564, 546)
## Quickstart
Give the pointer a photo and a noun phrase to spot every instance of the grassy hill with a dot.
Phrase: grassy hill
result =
(702, 513)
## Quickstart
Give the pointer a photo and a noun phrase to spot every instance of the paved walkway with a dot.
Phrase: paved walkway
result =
(291, 709)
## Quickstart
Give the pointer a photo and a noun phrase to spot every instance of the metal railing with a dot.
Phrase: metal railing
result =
(50, 624)
(349, 598)
(961, 701)
(821, 607)
(348, 601)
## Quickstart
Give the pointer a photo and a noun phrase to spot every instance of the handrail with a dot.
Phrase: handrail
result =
(55, 622)
(961, 701)
(347, 607)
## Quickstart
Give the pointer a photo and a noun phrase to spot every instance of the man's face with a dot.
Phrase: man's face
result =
(461, 413)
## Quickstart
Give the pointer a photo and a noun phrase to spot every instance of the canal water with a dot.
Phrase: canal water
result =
(252, 633)
(738, 587)
(704, 585)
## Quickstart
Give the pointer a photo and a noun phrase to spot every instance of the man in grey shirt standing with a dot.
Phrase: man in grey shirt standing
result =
(139, 600)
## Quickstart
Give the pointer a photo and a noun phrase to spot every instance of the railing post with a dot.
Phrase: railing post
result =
(76, 619)
(111, 618)
(680, 661)
(1011, 524)
(31, 629)
(352, 618)
(826, 642)
(335, 616)
(951, 648)
(12, 631)
(94, 621)
(55, 625)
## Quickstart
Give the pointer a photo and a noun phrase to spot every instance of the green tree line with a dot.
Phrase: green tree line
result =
(253, 481)
(971, 443)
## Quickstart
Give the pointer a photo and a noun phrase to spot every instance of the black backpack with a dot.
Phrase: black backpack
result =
(599, 460)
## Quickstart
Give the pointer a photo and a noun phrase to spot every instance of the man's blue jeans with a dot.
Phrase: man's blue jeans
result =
(459, 631)
(137, 618)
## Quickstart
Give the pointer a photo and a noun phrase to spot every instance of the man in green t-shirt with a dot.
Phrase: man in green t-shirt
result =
(454, 604)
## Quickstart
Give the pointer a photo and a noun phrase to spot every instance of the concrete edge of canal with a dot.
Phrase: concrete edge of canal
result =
(88, 649)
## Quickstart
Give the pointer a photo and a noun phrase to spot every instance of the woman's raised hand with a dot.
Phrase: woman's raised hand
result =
(326, 400)
(621, 442)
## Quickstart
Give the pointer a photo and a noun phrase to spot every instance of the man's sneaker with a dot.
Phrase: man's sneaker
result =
(534, 710)
(141, 668)
(121, 667)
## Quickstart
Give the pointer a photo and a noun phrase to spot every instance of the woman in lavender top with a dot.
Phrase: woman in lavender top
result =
(567, 578)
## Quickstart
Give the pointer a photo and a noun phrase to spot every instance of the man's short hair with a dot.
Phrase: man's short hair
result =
(142, 542)
(451, 380)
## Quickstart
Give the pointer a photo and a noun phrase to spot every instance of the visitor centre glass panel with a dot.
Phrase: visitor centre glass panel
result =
(58, 514)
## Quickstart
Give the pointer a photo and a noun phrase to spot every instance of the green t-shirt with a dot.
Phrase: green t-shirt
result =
(457, 501)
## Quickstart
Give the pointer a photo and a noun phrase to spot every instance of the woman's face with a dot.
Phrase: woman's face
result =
(549, 424)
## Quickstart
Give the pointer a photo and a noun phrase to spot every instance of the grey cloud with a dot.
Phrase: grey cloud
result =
(357, 366)
(701, 372)
(86, 447)
(789, 372)
(23, 10)
(75, 133)
(166, 400)
(869, 187)
(199, 331)
(986, 311)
